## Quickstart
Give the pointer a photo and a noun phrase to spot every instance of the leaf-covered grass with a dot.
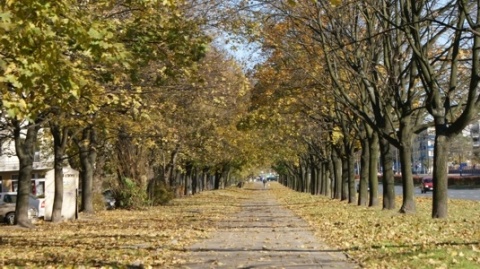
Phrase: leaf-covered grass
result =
(155, 237)
(119, 239)
(378, 238)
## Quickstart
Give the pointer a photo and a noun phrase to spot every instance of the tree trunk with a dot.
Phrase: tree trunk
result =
(218, 176)
(205, 179)
(60, 138)
(326, 179)
(408, 204)
(194, 180)
(88, 155)
(188, 178)
(344, 178)
(321, 179)
(313, 176)
(364, 173)
(25, 150)
(387, 176)
(373, 167)
(440, 176)
(337, 175)
(169, 171)
(227, 179)
(351, 175)
(299, 175)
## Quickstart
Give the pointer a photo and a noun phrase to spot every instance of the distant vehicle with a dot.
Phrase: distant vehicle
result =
(358, 187)
(8, 202)
(109, 199)
(271, 178)
(426, 185)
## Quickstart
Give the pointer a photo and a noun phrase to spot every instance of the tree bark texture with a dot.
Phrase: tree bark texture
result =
(387, 175)
(337, 175)
(25, 150)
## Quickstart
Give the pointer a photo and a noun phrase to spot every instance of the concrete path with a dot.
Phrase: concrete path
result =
(264, 235)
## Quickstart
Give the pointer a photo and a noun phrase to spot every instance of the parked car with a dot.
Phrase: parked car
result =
(426, 185)
(8, 202)
(109, 199)
(358, 188)
(7, 208)
(38, 203)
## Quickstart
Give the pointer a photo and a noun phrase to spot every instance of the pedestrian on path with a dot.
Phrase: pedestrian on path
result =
(264, 183)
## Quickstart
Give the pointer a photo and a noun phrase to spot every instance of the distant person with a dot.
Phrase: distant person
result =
(264, 183)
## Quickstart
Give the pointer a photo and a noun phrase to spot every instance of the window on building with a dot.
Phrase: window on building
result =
(36, 157)
(38, 176)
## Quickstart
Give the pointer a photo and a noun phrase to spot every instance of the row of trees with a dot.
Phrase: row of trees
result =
(130, 90)
(135, 89)
(350, 76)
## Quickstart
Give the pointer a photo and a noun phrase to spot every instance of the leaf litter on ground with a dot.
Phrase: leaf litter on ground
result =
(151, 237)
(154, 237)
(378, 238)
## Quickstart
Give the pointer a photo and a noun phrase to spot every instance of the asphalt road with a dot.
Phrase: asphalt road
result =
(466, 194)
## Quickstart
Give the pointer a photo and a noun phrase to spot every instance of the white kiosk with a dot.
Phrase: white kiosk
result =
(70, 186)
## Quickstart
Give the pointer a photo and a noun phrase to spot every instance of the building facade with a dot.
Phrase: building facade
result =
(9, 166)
(422, 153)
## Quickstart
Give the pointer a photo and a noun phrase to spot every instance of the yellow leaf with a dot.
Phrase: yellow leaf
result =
(335, 2)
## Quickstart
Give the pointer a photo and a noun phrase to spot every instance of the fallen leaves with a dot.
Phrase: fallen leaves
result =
(148, 238)
(155, 237)
(386, 239)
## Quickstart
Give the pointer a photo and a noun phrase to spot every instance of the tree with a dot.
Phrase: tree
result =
(443, 36)
(42, 56)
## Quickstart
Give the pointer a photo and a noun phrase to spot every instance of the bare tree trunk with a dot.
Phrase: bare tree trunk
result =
(364, 173)
(188, 178)
(387, 176)
(205, 179)
(60, 139)
(327, 183)
(195, 180)
(88, 154)
(169, 171)
(440, 176)
(218, 177)
(351, 176)
(344, 178)
(373, 167)
(337, 175)
(321, 178)
(408, 204)
(313, 176)
(25, 150)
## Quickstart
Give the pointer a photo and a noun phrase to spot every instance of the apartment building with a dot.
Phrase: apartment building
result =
(422, 153)
(9, 166)
(43, 183)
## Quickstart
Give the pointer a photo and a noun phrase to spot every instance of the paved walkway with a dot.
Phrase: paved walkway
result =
(264, 235)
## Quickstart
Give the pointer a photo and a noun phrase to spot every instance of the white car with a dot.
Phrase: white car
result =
(8, 201)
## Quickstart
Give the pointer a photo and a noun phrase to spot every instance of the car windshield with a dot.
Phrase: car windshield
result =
(427, 180)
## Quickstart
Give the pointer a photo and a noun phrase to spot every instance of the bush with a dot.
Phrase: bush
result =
(130, 195)
(159, 193)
